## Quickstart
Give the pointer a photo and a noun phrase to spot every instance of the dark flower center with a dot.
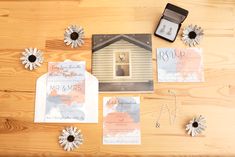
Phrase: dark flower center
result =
(32, 58)
(195, 124)
(70, 138)
(192, 35)
(74, 36)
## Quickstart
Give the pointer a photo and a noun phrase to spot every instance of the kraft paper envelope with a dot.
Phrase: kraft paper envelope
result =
(90, 108)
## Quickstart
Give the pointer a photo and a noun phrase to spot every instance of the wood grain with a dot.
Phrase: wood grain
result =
(42, 23)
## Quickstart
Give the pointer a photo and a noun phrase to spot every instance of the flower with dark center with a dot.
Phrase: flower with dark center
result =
(196, 126)
(70, 138)
(32, 58)
(74, 36)
(192, 35)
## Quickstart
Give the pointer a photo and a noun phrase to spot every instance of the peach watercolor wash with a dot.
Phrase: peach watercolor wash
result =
(190, 63)
(118, 123)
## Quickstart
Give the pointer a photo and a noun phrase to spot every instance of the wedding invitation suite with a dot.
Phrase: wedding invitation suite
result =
(180, 65)
(65, 91)
(121, 120)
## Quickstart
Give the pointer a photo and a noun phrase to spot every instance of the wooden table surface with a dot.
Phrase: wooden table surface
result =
(42, 23)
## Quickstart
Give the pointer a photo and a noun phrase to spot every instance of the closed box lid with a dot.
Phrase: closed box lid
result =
(174, 13)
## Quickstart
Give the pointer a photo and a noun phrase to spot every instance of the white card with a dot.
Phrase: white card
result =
(180, 65)
(89, 108)
(121, 120)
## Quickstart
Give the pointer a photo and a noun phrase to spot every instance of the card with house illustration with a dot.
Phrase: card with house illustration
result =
(180, 65)
(121, 120)
(123, 62)
(65, 91)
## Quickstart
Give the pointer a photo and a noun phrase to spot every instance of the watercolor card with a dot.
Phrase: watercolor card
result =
(65, 90)
(180, 65)
(121, 120)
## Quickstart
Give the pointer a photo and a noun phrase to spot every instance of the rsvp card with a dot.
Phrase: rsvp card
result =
(180, 65)
(121, 120)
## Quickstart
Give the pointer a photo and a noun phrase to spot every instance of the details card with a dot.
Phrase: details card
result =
(121, 120)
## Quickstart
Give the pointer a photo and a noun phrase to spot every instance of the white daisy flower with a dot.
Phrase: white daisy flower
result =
(32, 58)
(192, 35)
(74, 35)
(70, 138)
(196, 126)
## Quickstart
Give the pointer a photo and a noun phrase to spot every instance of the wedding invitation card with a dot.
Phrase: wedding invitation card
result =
(65, 91)
(180, 65)
(121, 120)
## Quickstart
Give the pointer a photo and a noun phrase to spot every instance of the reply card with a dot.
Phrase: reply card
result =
(180, 65)
(65, 91)
(121, 120)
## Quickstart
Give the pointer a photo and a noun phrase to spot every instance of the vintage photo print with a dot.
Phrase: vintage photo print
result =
(122, 63)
